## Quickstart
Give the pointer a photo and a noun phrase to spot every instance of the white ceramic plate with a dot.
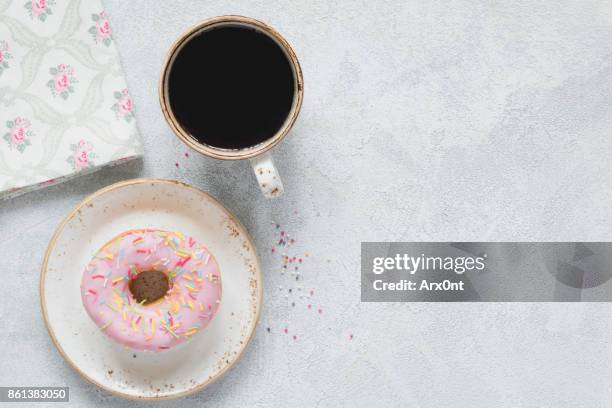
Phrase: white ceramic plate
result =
(168, 205)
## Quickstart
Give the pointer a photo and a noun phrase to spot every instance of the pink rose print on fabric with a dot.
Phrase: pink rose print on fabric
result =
(39, 9)
(19, 134)
(101, 30)
(123, 105)
(82, 155)
(5, 56)
(63, 81)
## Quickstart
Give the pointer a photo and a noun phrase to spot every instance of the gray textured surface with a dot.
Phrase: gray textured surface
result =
(422, 120)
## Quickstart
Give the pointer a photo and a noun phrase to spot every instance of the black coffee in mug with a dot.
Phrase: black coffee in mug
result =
(231, 87)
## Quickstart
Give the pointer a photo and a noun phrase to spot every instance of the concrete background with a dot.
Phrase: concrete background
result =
(422, 120)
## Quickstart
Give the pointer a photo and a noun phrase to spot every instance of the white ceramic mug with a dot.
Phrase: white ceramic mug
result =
(259, 155)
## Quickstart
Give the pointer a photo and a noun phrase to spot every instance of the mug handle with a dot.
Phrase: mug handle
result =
(267, 176)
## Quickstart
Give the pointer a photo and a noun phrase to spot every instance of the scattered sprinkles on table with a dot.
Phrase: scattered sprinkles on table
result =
(177, 163)
(292, 262)
(184, 307)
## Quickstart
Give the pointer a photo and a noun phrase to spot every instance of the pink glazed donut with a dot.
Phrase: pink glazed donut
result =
(150, 289)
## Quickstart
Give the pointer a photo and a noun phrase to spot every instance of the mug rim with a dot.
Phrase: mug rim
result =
(216, 152)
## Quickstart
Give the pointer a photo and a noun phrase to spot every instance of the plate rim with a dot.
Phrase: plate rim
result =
(116, 186)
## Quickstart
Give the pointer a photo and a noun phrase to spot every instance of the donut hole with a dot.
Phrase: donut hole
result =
(149, 286)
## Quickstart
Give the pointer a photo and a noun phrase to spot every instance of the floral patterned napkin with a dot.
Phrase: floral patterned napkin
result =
(64, 105)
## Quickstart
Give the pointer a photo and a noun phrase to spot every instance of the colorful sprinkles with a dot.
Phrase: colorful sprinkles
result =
(292, 262)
